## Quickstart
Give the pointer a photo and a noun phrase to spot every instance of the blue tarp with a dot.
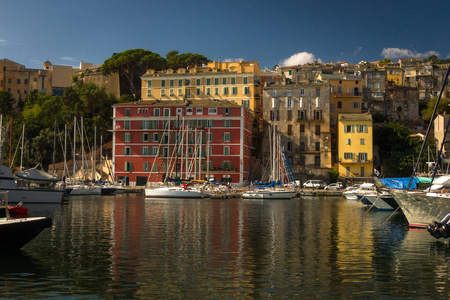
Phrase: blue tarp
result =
(400, 183)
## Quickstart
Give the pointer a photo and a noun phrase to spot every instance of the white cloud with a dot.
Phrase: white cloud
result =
(3, 42)
(406, 53)
(298, 59)
(232, 59)
(357, 50)
(68, 58)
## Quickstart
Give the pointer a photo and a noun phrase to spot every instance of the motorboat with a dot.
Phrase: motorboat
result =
(16, 233)
(269, 194)
(33, 186)
(349, 192)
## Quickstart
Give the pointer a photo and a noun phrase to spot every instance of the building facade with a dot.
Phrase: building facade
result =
(300, 113)
(355, 145)
(154, 140)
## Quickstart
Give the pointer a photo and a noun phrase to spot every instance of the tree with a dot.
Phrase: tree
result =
(386, 61)
(443, 107)
(185, 60)
(6, 102)
(133, 63)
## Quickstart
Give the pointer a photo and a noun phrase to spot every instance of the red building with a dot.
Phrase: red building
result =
(153, 140)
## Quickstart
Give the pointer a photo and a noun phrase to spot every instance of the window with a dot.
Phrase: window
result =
(225, 91)
(172, 92)
(208, 81)
(209, 123)
(155, 150)
(180, 92)
(348, 142)
(199, 111)
(317, 130)
(339, 89)
(127, 112)
(197, 92)
(128, 166)
(189, 111)
(226, 137)
(289, 146)
(180, 82)
(316, 161)
(302, 146)
(9, 80)
(233, 80)
(246, 90)
(18, 80)
(171, 82)
(146, 166)
(163, 92)
(302, 92)
(348, 155)
(274, 93)
(212, 111)
(361, 128)
(245, 80)
(289, 103)
(155, 137)
(127, 151)
(332, 122)
(355, 104)
(289, 130)
(209, 136)
(163, 83)
(317, 146)
(289, 115)
(339, 104)
(127, 124)
(362, 157)
(216, 91)
(145, 137)
(317, 92)
(302, 128)
(234, 90)
(349, 128)
(289, 92)
(179, 111)
(198, 81)
(274, 116)
(208, 91)
(362, 142)
(224, 80)
(226, 123)
(302, 114)
(127, 137)
(166, 112)
(226, 111)
(144, 151)
(318, 115)
(226, 150)
(331, 107)
(25, 81)
(216, 81)
(245, 103)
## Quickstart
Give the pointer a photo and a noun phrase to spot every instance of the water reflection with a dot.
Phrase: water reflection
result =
(131, 247)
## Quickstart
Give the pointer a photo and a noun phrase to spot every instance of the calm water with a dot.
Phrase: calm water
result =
(127, 247)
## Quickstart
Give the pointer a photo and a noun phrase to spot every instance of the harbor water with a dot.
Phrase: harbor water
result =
(129, 247)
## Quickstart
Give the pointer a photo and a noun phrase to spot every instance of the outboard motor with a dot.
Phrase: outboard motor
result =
(440, 229)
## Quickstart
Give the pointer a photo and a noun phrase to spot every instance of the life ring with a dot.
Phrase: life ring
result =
(444, 191)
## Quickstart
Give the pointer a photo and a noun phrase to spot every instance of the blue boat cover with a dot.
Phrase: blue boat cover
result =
(400, 183)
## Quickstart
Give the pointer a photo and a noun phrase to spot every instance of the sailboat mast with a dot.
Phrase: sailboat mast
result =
(74, 148)
(94, 156)
(21, 151)
(207, 153)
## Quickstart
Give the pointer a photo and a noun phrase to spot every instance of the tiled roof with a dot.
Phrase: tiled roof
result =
(355, 117)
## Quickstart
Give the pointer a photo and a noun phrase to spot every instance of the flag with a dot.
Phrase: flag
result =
(376, 172)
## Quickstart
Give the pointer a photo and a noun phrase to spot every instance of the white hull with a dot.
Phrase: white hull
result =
(265, 194)
(34, 196)
(350, 196)
(173, 192)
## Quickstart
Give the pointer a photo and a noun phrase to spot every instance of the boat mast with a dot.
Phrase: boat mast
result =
(74, 148)
(21, 151)
(207, 153)
(94, 156)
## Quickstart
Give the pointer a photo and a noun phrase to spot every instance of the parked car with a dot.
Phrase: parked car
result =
(317, 184)
(334, 186)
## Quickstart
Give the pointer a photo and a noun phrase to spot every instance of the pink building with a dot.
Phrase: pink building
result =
(147, 135)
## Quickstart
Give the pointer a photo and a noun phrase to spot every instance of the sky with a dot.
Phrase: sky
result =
(271, 32)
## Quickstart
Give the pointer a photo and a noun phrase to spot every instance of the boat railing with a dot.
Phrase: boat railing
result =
(4, 204)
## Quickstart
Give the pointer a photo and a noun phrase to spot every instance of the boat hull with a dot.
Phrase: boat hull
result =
(173, 193)
(377, 201)
(16, 233)
(421, 208)
(269, 195)
(84, 190)
(34, 196)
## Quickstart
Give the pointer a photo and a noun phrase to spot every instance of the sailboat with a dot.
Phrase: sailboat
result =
(270, 191)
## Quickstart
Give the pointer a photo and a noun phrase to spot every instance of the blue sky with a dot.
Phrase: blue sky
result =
(270, 32)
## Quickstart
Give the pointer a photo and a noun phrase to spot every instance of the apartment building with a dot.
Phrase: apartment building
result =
(355, 145)
(154, 140)
(300, 113)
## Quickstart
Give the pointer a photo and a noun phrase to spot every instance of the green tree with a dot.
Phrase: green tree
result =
(6, 103)
(133, 63)
(386, 61)
(185, 60)
(443, 107)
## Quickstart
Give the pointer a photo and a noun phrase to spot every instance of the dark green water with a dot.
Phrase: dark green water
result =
(127, 247)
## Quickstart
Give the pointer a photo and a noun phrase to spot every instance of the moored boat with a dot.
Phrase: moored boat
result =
(174, 192)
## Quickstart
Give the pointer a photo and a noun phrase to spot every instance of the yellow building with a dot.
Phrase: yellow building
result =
(355, 145)
(233, 81)
(394, 74)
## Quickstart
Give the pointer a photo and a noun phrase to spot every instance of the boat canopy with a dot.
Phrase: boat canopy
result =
(36, 175)
(400, 182)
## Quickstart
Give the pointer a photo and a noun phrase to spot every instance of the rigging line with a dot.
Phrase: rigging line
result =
(429, 128)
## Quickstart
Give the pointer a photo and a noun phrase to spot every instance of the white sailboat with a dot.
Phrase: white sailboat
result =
(277, 168)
